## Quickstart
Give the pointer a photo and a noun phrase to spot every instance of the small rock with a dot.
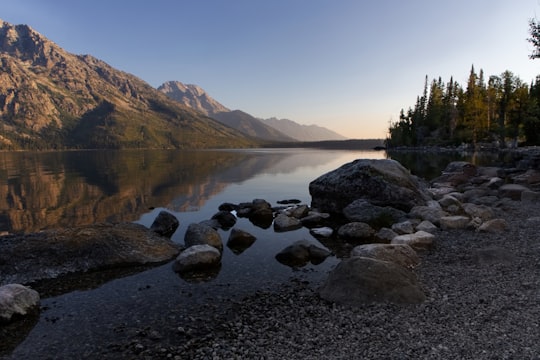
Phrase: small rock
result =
(454, 222)
(494, 225)
(420, 240)
(283, 223)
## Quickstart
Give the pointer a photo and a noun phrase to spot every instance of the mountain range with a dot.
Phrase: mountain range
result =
(50, 98)
(267, 129)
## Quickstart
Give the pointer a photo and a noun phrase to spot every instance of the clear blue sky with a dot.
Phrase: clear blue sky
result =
(349, 65)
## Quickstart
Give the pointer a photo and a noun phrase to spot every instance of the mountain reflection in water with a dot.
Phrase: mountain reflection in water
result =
(41, 190)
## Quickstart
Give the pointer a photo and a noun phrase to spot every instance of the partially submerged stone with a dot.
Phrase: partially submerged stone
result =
(197, 258)
(52, 253)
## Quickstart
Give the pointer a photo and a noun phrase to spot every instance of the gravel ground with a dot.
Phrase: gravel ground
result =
(483, 303)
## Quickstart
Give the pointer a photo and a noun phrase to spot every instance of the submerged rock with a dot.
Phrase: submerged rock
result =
(52, 253)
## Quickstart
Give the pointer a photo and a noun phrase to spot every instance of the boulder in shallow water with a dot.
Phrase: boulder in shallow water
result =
(197, 258)
(165, 224)
(381, 182)
(200, 234)
(51, 253)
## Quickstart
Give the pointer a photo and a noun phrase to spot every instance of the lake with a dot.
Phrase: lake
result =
(61, 189)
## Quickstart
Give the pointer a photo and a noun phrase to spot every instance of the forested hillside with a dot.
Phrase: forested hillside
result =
(502, 110)
(499, 110)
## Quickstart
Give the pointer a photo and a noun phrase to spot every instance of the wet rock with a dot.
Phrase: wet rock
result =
(300, 253)
(17, 300)
(197, 258)
(201, 234)
(51, 253)
(314, 219)
(240, 240)
(381, 182)
(359, 280)
(420, 240)
(400, 254)
(356, 231)
(283, 223)
(298, 211)
(225, 218)
(165, 224)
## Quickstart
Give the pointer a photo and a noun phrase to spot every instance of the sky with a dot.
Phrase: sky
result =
(347, 65)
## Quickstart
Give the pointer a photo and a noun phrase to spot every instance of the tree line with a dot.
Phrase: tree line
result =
(500, 110)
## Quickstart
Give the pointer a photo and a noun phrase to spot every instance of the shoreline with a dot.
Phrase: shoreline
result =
(477, 307)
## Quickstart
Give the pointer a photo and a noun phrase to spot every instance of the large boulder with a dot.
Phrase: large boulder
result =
(17, 300)
(51, 253)
(358, 280)
(381, 182)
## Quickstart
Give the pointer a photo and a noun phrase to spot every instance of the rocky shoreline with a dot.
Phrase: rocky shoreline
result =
(479, 273)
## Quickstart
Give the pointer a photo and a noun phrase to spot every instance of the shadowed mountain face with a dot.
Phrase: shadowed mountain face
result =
(50, 98)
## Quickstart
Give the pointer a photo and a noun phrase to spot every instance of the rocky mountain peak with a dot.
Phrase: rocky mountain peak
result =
(193, 96)
(26, 44)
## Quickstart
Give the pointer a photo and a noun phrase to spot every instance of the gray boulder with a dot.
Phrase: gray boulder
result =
(283, 223)
(381, 182)
(362, 210)
(17, 300)
(197, 258)
(356, 231)
(165, 224)
(52, 253)
(201, 234)
(359, 280)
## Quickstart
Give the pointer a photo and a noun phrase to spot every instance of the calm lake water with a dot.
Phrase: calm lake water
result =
(59, 189)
